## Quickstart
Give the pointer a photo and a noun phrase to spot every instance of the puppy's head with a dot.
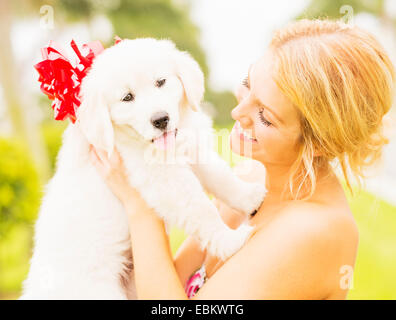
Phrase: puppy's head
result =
(141, 84)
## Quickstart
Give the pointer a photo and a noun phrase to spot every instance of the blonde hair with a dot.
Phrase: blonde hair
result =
(341, 81)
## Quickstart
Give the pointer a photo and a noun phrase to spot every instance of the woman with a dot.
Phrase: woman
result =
(317, 95)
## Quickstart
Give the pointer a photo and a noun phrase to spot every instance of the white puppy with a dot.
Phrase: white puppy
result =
(143, 97)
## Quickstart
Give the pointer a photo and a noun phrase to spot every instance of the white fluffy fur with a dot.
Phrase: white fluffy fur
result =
(82, 247)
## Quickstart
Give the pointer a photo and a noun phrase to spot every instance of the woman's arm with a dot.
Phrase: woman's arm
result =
(189, 257)
(154, 271)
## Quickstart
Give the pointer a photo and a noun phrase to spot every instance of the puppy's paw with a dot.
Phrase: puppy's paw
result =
(250, 198)
(229, 241)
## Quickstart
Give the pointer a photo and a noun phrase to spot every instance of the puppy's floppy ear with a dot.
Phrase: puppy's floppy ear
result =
(93, 117)
(192, 78)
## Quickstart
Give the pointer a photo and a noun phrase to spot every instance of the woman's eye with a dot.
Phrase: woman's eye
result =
(160, 82)
(245, 82)
(263, 119)
(128, 97)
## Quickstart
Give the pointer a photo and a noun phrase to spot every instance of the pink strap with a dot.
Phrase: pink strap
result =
(195, 282)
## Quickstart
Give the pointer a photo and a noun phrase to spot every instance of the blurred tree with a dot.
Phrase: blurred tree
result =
(224, 102)
(26, 133)
(20, 195)
(19, 186)
(331, 8)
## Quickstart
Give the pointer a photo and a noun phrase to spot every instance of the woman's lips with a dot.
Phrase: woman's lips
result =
(240, 132)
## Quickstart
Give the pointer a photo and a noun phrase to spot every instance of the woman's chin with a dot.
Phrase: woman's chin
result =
(235, 148)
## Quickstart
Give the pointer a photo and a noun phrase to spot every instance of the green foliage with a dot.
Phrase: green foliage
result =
(331, 8)
(374, 276)
(224, 102)
(20, 195)
(158, 19)
(131, 19)
(19, 186)
(15, 252)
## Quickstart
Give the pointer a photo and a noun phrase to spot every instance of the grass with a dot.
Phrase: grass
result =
(375, 269)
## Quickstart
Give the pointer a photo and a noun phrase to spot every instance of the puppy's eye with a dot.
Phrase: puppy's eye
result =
(128, 97)
(160, 82)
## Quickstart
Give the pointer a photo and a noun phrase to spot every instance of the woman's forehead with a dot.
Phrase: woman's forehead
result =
(265, 89)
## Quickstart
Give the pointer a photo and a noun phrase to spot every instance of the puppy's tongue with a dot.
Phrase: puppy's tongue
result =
(167, 140)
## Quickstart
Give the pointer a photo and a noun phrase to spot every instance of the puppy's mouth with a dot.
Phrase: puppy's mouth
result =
(166, 140)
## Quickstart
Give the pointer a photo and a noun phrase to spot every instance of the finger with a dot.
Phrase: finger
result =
(98, 164)
(104, 159)
(115, 158)
(102, 155)
(94, 157)
(93, 153)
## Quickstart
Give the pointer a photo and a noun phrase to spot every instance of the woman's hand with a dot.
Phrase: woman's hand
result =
(152, 256)
(113, 173)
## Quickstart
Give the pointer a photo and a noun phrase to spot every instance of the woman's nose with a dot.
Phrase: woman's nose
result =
(240, 113)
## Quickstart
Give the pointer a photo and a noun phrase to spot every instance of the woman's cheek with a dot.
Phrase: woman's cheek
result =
(270, 145)
(266, 136)
(285, 151)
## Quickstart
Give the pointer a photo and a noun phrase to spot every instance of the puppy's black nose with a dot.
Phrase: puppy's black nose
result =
(160, 120)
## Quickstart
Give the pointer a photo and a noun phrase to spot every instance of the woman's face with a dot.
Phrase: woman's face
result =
(267, 126)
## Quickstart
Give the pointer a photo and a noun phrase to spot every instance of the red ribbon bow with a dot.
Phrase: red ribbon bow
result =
(61, 81)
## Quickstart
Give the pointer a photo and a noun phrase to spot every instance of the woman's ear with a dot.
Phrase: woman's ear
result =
(191, 77)
(93, 118)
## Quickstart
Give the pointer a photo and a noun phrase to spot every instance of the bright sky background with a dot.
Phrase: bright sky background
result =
(235, 33)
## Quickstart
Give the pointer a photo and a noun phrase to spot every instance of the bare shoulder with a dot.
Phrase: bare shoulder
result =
(314, 219)
(319, 241)
(315, 225)
(298, 255)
